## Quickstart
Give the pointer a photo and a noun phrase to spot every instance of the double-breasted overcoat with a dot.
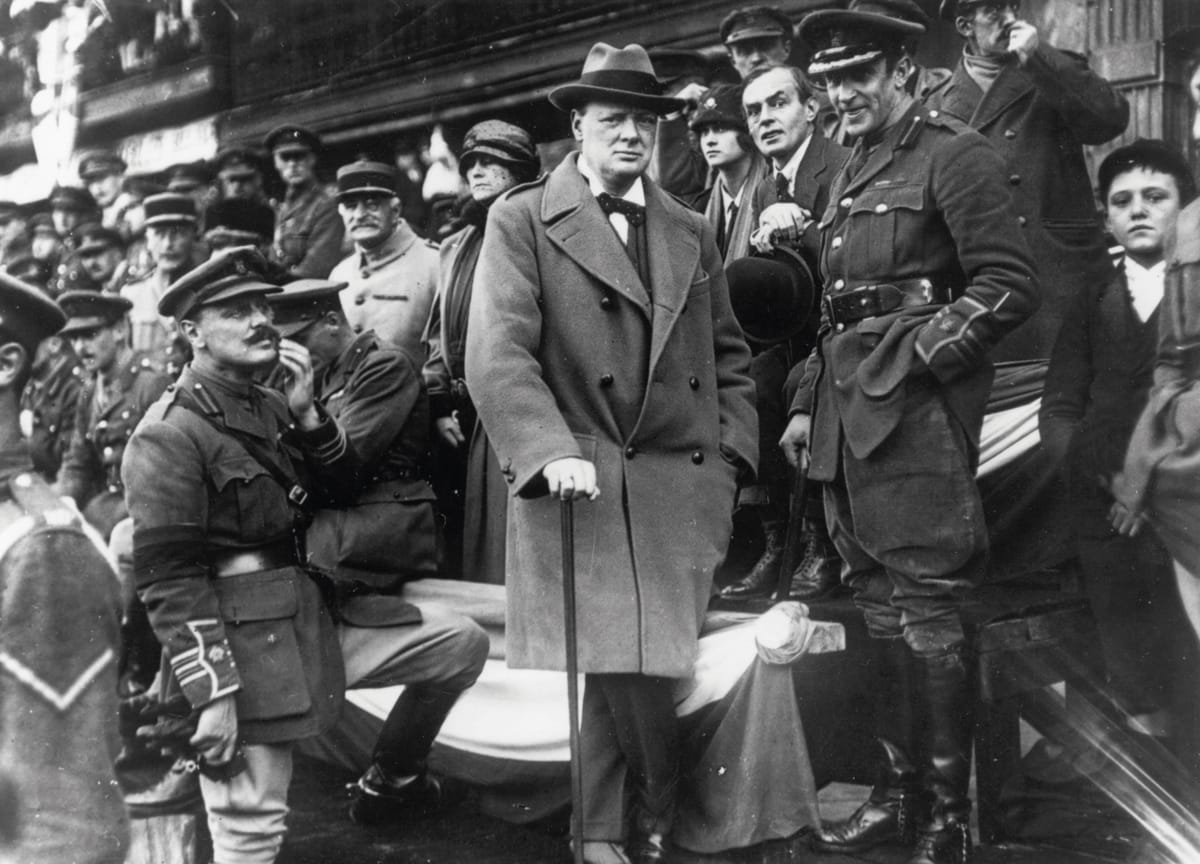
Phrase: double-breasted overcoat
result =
(570, 355)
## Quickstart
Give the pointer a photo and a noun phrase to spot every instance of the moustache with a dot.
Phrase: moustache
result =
(266, 332)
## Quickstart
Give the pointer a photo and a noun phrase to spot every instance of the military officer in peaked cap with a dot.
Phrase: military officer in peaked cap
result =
(606, 365)
(101, 254)
(103, 173)
(308, 232)
(385, 538)
(392, 275)
(220, 477)
(59, 638)
(171, 242)
(756, 37)
(240, 174)
(925, 269)
(121, 385)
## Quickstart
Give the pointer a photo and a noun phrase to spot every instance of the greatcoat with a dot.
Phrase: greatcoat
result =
(1037, 117)
(570, 355)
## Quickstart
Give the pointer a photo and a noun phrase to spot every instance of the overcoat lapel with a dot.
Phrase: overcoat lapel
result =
(576, 225)
(1009, 86)
(674, 251)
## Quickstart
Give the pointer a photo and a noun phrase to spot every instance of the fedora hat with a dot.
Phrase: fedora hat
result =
(621, 75)
(774, 294)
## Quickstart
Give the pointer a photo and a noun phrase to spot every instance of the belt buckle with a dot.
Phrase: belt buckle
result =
(297, 495)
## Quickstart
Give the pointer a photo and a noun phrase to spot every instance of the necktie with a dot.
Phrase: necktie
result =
(858, 158)
(783, 189)
(635, 213)
(728, 217)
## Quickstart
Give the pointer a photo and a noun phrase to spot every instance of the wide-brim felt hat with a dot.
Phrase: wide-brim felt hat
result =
(87, 310)
(624, 76)
(303, 301)
(26, 313)
(774, 294)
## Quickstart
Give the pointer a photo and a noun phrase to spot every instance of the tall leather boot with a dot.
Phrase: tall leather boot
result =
(820, 568)
(892, 813)
(396, 785)
(764, 575)
(949, 703)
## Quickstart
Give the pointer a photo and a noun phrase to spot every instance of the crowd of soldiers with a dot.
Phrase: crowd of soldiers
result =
(277, 413)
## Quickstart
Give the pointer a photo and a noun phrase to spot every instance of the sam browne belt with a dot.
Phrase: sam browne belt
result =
(867, 301)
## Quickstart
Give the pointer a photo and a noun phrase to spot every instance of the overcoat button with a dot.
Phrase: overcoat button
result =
(606, 380)
(845, 202)
(694, 383)
(360, 300)
(606, 302)
(839, 284)
(880, 208)
(630, 452)
(358, 328)
(1010, 134)
(697, 458)
(1014, 179)
(1021, 220)
(934, 113)
(836, 243)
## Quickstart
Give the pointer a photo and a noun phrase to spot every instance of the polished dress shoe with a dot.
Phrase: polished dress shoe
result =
(764, 575)
(874, 823)
(818, 573)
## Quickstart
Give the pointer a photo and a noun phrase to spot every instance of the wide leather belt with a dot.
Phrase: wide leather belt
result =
(239, 562)
(867, 301)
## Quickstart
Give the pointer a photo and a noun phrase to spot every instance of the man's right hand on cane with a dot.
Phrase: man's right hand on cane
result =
(795, 440)
(572, 478)
(217, 731)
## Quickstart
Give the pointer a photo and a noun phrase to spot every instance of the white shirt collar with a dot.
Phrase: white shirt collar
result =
(635, 194)
(790, 167)
(1145, 286)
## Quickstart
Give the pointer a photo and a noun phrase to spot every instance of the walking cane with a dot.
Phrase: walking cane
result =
(568, 550)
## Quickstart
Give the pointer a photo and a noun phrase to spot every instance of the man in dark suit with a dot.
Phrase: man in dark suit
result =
(924, 270)
(781, 108)
(607, 366)
(1037, 106)
(1098, 382)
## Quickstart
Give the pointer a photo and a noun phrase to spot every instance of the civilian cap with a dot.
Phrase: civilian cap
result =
(239, 162)
(845, 38)
(720, 106)
(170, 208)
(254, 219)
(229, 273)
(41, 223)
(94, 237)
(302, 302)
(87, 310)
(1144, 152)
(774, 295)
(100, 163)
(74, 198)
(26, 313)
(365, 178)
(755, 22)
(502, 141)
(290, 138)
(187, 176)
(621, 75)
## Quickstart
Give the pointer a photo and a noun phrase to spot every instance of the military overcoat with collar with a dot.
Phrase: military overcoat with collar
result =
(570, 355)
(1038, 117)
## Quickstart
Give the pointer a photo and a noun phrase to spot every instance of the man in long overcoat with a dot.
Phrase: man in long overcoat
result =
(606, 364)
(1038, 106)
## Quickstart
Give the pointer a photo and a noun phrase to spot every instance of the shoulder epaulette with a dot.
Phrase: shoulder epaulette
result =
(38, 500)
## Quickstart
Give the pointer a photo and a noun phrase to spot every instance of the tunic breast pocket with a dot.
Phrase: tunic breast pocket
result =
(293, 245)
(247, 503)
(884, 230)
